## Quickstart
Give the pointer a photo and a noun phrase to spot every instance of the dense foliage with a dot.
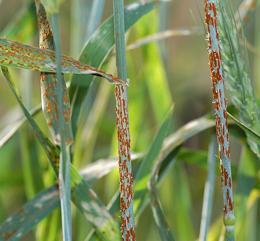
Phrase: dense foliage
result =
(151, 160)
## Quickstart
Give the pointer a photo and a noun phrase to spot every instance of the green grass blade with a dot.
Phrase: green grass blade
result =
(95, 16)
(52, 6)
(156, 206)
(49, 148)
(96, 51)
(15, 54)
(153, 72)
(17, 225)
(193, 157)
(119, 35)
(79, 10)
(181, 204)
(246, 183)
(159, 215)
(208, 190)
(144, 171)
(249, 131)
(10, 129)
(171, 146)
(30, 159)
(64, 169)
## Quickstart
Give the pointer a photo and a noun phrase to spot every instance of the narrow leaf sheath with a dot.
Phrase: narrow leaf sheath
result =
(219, 104)
(49, 84)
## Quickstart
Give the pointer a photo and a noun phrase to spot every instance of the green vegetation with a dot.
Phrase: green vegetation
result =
(81, 78)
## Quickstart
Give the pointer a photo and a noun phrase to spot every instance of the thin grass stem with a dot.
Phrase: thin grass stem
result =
(64, 170)
(208, 190)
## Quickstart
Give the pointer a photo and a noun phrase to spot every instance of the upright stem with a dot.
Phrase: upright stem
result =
(125, 167)
(64, 170)
(219, 103)
(208, 190)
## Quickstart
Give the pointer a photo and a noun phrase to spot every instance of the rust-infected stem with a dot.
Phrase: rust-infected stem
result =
(125, 166)
(219, 103)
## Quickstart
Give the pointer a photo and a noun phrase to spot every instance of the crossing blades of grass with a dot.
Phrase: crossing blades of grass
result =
(249, 131)
(156, 206)
(169, 150)
(63, 132)
(82, 195)
(171, 147)
(96, 52)
(49, 84)
(144, 171)
(20, 223)
(49, 148)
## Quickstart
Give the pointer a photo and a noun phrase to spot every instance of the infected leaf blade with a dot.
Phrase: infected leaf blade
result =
(49, 84)
(17, 225)
(15, 54)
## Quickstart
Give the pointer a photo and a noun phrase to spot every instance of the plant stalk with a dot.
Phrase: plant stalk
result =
(64, 170)
(219, 103)
(208, 190)
(122, 122)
